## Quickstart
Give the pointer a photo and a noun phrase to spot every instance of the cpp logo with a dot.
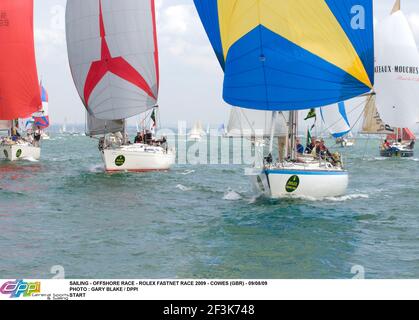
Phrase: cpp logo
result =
(19, 288)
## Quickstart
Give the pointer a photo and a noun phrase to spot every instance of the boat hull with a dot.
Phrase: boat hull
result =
(397, 153)
(139, 158)
(19, 152)
(281, 183)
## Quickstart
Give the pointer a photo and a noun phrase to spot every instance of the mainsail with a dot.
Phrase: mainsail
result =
(372, 121)
(255, 123)
(19, 86)
(273, 51)
(397, 71)
(112, 48)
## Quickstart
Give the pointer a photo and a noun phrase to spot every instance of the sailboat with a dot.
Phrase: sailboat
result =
(63, 129)
(372, 123)
(222, 131)
(287, 56)
(41, 118)
(19, 87)
(340, 119)
(397, 81)
(113, 53)
(197, 132)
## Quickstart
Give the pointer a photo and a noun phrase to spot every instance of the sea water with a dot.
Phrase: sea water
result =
(202, 221)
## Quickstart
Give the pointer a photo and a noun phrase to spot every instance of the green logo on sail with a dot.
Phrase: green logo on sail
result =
(292, 184)
(18, 153)
(120, 160)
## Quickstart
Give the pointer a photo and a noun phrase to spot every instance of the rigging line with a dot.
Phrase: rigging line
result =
(353, 110)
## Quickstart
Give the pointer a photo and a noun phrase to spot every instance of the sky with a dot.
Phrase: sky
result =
(191, 78)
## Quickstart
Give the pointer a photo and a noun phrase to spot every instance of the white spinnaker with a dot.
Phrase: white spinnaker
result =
(129, 87)
(250, 123)
(336, 120)
(397, 71)
(340, 119)
(5, 124)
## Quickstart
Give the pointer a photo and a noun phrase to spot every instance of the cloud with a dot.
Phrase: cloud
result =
(182, 36)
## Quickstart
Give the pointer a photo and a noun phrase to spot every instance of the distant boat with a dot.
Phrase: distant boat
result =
(41, 119)
(339, 120)
(19, 86)
(197, 132)
(400, 144)
(115, 66)
(63, 129)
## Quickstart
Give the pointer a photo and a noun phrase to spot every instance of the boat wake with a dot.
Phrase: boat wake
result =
(232, 195)
(30, 159)
(97, 168)
(183, 188)
(348, 198)
(330, 199)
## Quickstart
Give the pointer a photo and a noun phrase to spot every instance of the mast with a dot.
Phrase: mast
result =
(271, 143)
(293, 127)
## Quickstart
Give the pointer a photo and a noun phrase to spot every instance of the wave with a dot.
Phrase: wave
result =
(31, 159)
(183, 188)
(186, 172)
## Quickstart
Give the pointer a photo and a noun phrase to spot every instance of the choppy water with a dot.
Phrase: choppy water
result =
(201, 221)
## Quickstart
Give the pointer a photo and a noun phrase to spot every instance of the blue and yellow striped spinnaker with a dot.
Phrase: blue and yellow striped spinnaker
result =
(291, 54)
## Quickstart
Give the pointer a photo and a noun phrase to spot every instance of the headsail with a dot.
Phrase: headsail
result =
(19, 88)
(254, 123)
(397, 71)
(272, 51)
(113, 55)
(372, 121)
(96, 127)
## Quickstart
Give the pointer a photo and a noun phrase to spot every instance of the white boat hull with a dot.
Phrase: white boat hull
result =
(138, 158)
(19, 152)
(319, 184)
